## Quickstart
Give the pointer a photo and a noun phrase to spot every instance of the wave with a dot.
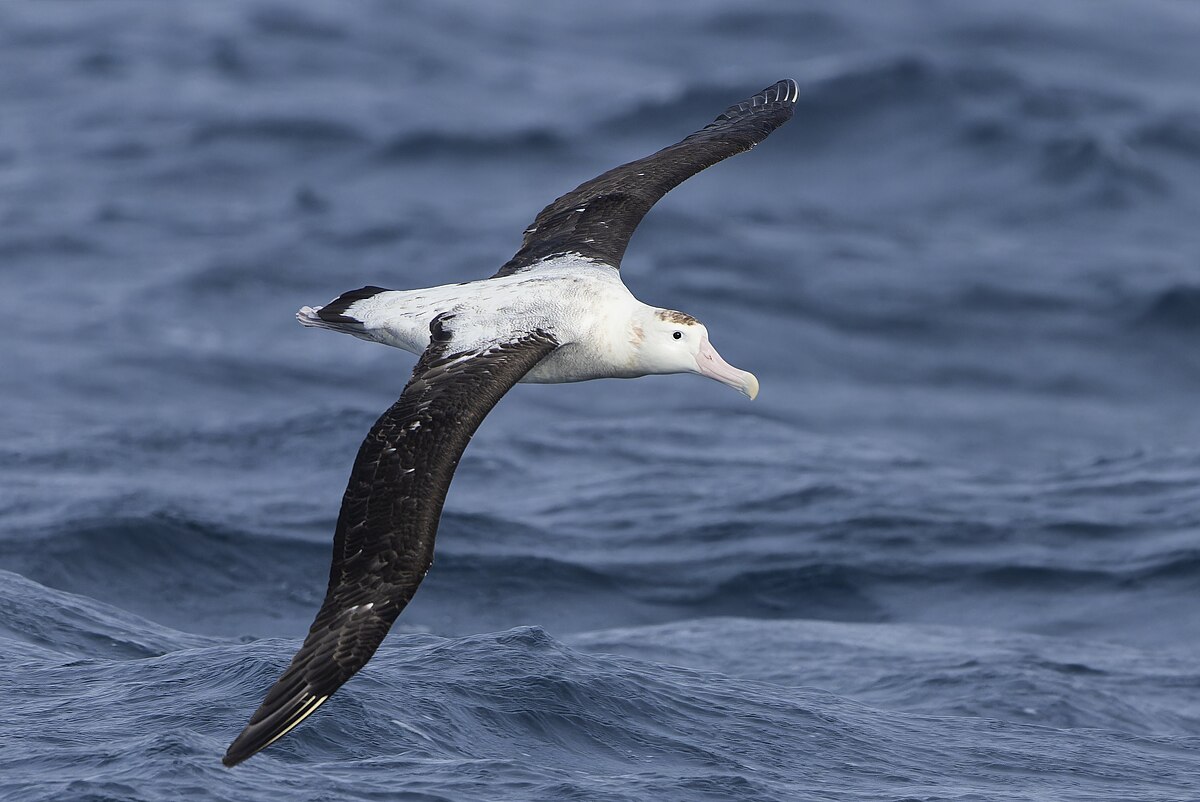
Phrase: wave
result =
(462, 146)
(38, 245)
(1108, 169)
(296, 131)
(519, 710)
(1066, 138)
(179, 572)
(541, 531)
(295, 23)
(1177, 133)
(69, 624)
(1175, 308)
(1053, 682)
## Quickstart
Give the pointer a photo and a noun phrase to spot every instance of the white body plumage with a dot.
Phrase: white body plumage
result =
(603, 331)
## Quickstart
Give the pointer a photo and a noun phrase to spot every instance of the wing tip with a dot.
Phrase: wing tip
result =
(788, 91)
(785, 92)
(237, 752)
(780, 96)
(257, 736)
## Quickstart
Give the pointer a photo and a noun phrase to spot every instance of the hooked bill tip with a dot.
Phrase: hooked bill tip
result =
(750, 387)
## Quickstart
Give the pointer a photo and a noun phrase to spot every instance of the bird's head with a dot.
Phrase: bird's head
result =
(674, 342)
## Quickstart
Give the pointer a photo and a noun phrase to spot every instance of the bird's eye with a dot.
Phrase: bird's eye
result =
(678, 335)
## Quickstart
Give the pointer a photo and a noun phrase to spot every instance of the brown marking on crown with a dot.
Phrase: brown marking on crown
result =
(671, 316)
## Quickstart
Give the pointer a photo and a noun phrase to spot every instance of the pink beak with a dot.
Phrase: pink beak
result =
(709, 363)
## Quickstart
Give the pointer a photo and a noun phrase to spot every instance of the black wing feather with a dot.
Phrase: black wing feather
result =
(383, 543)
(597, 218)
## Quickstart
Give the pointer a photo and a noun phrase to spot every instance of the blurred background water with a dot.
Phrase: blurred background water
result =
(952, 552)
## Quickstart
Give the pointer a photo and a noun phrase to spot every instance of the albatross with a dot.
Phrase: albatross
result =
(556, 312)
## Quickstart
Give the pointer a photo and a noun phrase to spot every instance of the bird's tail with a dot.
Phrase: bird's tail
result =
(338, 314)
(311, 316)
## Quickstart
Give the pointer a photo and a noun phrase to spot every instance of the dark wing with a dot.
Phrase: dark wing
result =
(383, 544)
(597, 218)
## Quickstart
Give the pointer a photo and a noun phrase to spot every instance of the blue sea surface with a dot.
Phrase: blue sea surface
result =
(952, 552)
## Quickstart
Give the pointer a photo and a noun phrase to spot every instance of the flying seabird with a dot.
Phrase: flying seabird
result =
(556, 312)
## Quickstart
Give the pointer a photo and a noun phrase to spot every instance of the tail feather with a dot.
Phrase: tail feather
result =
(310, 316)
(338, 314)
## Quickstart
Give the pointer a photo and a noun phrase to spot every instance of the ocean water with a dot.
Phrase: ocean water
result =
(952, 552)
